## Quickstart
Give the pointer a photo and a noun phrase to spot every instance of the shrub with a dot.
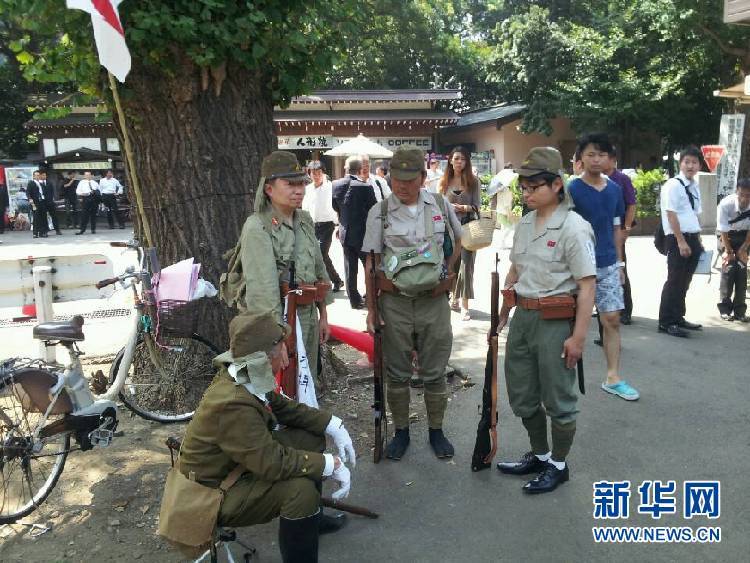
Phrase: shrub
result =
(647, 184)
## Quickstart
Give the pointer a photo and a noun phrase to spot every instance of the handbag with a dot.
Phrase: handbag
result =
(478, 232)
(189, 511)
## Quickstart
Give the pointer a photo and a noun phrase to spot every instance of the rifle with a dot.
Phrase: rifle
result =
(351, 508)
(289, 375)
(378, 405)
(485, 446)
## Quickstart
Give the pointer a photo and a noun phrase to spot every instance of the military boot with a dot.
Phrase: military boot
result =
(298, 539)
(397, 447)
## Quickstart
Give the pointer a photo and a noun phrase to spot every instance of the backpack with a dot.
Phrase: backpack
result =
(416, 269)
(660, 238)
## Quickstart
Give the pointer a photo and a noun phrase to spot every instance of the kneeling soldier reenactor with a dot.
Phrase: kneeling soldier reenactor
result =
(411, 233)
(236, 424)
(553, 273)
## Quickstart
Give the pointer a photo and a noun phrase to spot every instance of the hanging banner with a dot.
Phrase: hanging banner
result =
(730, 136)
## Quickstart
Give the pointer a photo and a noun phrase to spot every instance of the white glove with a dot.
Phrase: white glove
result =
(342, 440)
(343, 476)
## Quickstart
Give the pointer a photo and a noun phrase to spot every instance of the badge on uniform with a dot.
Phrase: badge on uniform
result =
(437, 218)
(551, 243)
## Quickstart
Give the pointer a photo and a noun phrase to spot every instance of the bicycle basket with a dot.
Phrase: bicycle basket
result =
(176, 318)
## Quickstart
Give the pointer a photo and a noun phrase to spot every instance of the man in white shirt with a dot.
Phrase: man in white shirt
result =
(433, 175)
(88, 191)
(680, 207)
(110, 188)
(318, 202)
(733, 225)
(379, 185)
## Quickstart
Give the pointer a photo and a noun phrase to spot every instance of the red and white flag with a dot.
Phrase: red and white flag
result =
(108, 34)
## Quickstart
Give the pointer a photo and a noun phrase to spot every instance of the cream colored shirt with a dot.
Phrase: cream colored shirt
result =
(549, 261)
(405, 229)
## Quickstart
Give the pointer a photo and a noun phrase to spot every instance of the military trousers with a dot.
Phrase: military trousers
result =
(422, 324)
(251, 501)
(535, 372)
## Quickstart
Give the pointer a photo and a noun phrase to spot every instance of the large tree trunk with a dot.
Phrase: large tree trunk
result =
(744, 171)
(198, 141)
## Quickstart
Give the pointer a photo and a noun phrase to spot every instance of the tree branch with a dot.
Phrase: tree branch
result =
(728, 49)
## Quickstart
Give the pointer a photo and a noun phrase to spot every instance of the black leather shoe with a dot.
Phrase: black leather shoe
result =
(358, 305)
(547, 481)
(330, 523)
(673, 330)
(80, 232)
(682, 323)
(529, 463)
(440, 445)
(626, 320)
(727, 317)
(36, 236)
(397, 447)
(337, 286)
(598, 342)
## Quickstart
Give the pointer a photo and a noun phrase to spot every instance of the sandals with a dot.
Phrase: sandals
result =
(466, 316)
(456, 307)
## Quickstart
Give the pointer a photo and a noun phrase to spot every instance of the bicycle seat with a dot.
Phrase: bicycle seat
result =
(66, 331)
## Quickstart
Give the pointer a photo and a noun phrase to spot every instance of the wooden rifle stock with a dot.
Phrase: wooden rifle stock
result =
(485, 446)
(352, 509)
(378, 405)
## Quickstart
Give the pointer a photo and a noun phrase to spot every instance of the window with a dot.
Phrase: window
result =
(73, 143)
(49, 147)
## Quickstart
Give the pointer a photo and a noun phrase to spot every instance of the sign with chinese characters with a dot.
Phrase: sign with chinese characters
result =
(325, 142)
(730, 135)
(712, 155)
(102, 165)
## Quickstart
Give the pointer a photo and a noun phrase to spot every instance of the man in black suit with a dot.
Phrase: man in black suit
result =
(49, 201)
(352, 200)
(38, 205)
(4, 205)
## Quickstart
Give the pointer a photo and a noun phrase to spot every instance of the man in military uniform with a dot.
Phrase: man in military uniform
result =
(235, 424)
(409, 234)
(275, 238)
(552, 256)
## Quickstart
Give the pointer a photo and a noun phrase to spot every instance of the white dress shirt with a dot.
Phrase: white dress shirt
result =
(379, 184)
(728, 209)
(110, 186)
(318, 202)
(674, 198)
(85, 187)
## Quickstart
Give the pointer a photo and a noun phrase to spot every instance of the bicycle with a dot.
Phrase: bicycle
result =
(43, 405)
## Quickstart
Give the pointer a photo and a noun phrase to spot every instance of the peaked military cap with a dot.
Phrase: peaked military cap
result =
(407, 163)
(541, 160)
(253, 332)
(282, 164)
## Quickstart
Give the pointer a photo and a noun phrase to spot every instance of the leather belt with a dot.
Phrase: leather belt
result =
(307, 294)
(529, 304)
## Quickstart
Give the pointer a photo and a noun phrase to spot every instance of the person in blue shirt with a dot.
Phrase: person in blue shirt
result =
(599, 200)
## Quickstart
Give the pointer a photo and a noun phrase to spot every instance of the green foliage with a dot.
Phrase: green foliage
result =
(14, 139)
(646, 64)
(287, 43)
(647, 184)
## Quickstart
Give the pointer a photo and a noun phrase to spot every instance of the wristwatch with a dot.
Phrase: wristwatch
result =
(620, 264)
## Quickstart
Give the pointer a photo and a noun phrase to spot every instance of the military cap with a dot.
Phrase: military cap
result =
(541, 160)
(254, 332)
(407, 163)
(282, 164)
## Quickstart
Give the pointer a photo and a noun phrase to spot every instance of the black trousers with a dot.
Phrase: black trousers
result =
(324, 234)
(89, 207)
(40, 226)
(71, 211)
(679, 275)
(352, 258)
(51, 208)
(733, 286)
(110, 202)
(627, 293)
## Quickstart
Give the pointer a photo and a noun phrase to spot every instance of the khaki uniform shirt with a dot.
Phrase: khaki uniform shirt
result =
(407, 230)
(266, 257)
(231, 426)
(550, 261)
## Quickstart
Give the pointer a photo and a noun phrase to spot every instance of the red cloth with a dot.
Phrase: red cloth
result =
(362, 341)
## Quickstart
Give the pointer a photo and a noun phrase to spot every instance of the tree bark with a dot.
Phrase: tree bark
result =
(744, 171)
(198, 142)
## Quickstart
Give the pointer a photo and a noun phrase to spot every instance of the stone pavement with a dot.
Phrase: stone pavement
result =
(690, 424)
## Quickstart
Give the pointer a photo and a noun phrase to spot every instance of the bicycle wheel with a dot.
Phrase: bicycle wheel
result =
(170, 389)
(29, 466)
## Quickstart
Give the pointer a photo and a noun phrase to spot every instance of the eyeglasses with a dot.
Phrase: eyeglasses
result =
(531, 189)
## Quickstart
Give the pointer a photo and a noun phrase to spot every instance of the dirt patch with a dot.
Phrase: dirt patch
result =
(105, 506)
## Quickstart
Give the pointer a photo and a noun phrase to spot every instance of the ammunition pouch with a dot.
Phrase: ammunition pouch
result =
(307, 294)
(555, 307)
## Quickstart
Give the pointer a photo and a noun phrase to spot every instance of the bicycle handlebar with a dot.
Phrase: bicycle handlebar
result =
(105, 283)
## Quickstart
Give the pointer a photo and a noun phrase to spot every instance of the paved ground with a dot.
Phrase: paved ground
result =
(690, 424)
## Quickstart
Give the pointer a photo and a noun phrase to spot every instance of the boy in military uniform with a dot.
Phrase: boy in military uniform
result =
(552, 255)
(235, 424)
(276, 236)
(410, 233)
